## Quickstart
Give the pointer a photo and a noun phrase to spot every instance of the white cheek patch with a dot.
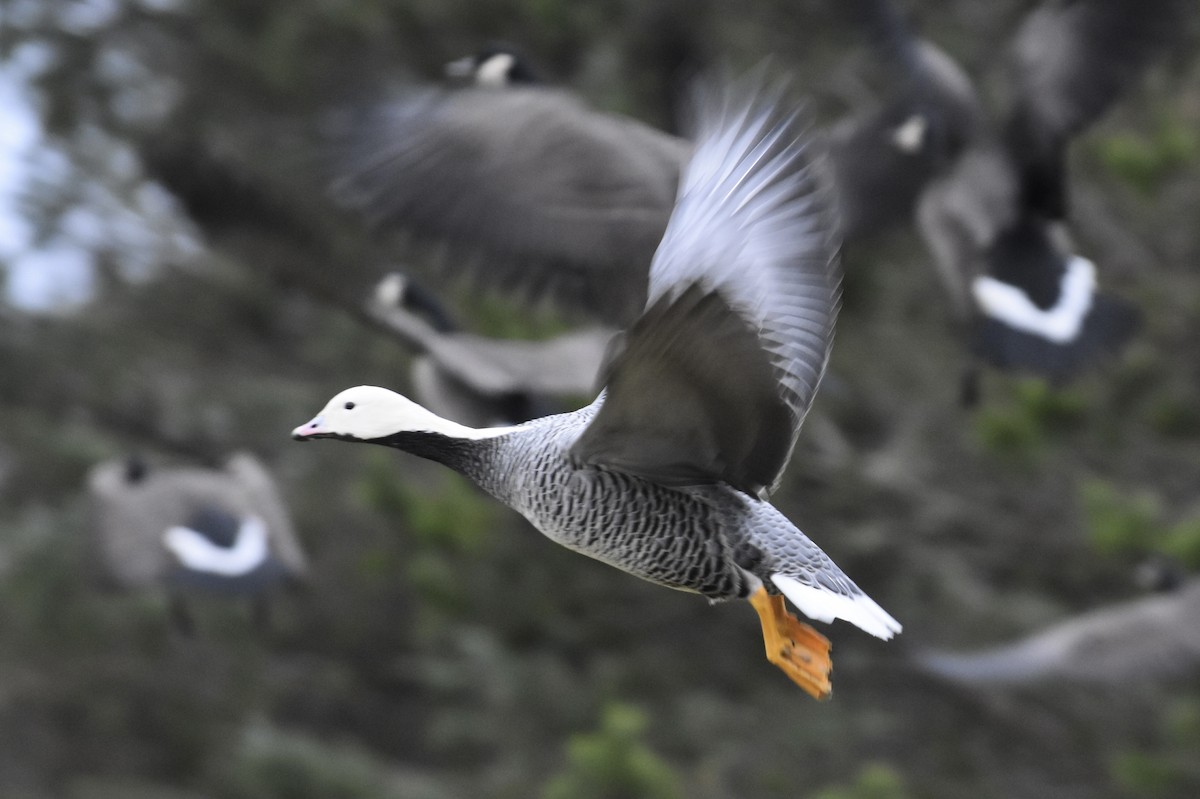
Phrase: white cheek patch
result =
(197, 552)
(909, 136)
(1061, 322)
(494, 71)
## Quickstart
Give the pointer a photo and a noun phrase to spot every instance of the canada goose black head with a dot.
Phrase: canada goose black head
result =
(398, 290)
(497, 65)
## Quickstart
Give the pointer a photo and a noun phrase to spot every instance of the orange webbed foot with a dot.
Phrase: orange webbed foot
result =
(796, 648)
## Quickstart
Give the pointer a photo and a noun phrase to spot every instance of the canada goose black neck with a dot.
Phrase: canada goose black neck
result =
(135, 469)
(1024, 256)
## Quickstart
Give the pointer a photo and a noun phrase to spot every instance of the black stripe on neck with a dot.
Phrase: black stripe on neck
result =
(457, 453)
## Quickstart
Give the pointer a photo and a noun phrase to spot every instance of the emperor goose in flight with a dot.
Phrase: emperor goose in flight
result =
(190, 531)
(665, 475)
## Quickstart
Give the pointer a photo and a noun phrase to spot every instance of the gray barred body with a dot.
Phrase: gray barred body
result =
(712, 540)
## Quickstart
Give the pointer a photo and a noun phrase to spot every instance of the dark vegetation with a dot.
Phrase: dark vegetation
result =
(442, 648)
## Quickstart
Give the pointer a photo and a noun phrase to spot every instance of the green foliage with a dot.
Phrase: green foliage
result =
(100, 788)
(1176, 416)
(1133, 524)
(1035, 413)
(1169, 767)
(1143, 774)
(450, 522)
(1182, 541)
(1118, 523)
(271, 764)
(492, 316)
(874, 781)
(454, 517)
(1144, 161)
(614, 763)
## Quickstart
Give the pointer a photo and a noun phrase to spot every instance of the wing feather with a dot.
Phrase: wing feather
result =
(555, 198)
(713, 381)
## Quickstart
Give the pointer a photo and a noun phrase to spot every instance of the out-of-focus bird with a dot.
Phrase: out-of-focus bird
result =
(496, 65)
(885, 155)
(192, 531)
(477, 380)
(665, 474)
(569, 202)
(996, 220)
(1150, 638)
(564, 201)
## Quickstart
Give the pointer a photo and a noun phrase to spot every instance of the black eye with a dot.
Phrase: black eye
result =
(349, 406)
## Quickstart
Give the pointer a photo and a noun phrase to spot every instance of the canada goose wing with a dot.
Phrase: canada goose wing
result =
(713, 381)
(565, 364)
(249, 478)
(1069, 61)
(126, 525)
(562, 200)
(961, 213)
(1152, 637)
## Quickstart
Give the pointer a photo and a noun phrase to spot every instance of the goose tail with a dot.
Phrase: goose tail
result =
(825, 604)
(1101, 334)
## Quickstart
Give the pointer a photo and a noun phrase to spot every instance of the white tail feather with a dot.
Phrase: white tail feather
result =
(823, 605)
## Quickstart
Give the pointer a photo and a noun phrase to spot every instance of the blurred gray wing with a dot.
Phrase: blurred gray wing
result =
(250, 479)
(1152, 638)
(564, 365)
(126, 526)
(557, 199)
(713, 381)
(961, 213)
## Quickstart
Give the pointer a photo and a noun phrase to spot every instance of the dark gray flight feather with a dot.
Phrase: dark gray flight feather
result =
(562, 200)
(713, 381)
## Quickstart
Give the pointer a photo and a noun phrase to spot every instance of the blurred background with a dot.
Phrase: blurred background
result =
(177, 282)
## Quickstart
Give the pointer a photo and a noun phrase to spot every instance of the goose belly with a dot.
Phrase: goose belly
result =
(656, 533)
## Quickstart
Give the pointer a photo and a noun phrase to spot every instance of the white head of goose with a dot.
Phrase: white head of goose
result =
(664, 475)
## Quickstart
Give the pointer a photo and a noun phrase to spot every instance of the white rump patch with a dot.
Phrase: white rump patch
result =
(197, 552)
(1060, 323)
(909, 136)
(825, 605)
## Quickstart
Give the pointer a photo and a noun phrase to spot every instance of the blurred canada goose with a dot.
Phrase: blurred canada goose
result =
(1155, 637)
(193, 530)
(563, 200)
(476, 380)
(885, 156)
(496, 65)
(664, 475)
(996, 221)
